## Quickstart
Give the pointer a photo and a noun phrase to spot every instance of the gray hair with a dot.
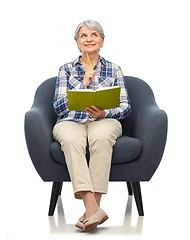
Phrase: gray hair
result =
(92, 25)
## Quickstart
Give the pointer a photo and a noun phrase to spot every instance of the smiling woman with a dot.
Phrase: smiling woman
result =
(89, 41)
(89, 38)
(100, 128)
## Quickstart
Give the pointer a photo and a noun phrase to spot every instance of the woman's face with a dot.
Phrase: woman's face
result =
(89, 40)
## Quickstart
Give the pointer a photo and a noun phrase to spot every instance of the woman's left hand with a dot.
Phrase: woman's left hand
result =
(95, 112)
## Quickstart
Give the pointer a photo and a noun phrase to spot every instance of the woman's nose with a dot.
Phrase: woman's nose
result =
(89, 38)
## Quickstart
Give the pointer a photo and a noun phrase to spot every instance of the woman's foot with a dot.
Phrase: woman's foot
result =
(89, 202)
(90, 211)
(98, 218)
(80, 223)
(94, 214)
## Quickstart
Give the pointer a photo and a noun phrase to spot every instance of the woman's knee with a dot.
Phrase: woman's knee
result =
(70, 135)
(106, 131)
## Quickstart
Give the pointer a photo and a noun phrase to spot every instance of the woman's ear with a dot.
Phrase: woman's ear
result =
(77, 44)
(102, 42)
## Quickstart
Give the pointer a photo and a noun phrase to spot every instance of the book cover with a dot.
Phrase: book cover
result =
(103, 98)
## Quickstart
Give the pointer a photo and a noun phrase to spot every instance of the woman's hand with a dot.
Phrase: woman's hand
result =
(88, 77)
(95, 112)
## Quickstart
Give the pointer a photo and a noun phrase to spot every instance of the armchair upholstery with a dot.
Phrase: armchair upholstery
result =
(136, 155)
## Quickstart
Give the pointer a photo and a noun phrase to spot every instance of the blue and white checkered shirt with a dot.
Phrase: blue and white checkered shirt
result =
(71, 77)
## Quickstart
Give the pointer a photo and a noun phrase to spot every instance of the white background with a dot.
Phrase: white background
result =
(149, 40)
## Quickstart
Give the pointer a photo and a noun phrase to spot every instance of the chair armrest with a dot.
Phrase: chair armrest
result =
(38, 134)
(150, 126)
(38, 126)
(148, 122)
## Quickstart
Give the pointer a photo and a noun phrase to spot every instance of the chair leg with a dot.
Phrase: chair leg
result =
(56, 190)
(60, 188)
(138, 197)
(130, 191)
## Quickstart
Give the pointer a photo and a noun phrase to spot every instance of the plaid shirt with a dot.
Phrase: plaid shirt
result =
(71, 77)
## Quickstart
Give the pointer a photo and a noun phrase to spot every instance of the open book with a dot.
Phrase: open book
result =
(103, 98)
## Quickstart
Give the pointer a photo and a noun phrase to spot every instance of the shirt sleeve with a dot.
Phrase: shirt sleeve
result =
(124, 108)
(63, 84)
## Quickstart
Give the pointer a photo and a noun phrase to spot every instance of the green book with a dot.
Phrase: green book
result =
(103, 98)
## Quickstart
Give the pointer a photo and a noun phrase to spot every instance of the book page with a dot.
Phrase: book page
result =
(82, 90)
(106, 88)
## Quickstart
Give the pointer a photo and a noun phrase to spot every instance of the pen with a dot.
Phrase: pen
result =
(88, 60)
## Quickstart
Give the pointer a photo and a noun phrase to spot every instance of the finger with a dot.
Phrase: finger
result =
(95, 108)
(92, 73)
(87, 109)
(91, 112)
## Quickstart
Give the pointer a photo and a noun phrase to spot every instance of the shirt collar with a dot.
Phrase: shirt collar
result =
(77, 61)
(103, 60)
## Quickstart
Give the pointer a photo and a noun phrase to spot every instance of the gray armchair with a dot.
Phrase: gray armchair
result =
(136, 154)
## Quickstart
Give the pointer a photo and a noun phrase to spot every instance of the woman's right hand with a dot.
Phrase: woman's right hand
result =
(88, 77)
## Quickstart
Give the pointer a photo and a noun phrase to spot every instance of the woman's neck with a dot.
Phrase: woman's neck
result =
(93, 59)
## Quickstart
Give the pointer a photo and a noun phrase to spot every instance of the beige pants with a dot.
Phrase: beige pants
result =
(101, 136)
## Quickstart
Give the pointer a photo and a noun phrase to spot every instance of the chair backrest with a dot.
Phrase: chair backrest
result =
(43, 99)
(139, 91)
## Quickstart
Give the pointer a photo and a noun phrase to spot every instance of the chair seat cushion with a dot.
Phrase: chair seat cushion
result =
(126, 149)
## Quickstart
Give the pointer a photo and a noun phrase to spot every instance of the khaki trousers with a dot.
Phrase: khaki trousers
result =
(101, 136)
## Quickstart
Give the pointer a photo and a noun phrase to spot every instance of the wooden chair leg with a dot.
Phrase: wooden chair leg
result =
(60, 188)
(56, 191)
(138, 197)
(130, 191)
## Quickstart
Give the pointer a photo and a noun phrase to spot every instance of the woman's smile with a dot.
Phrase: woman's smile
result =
(90, 45)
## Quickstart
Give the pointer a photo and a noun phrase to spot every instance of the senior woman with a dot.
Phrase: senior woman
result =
(100, 128)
